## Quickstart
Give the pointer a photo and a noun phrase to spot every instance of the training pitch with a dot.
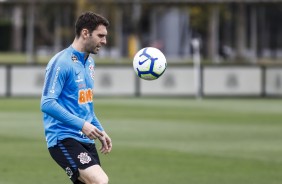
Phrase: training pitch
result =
(156, 141)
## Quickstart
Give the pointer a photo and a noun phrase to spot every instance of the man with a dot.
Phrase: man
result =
(68, 114)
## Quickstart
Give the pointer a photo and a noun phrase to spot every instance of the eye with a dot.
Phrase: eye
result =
(101, 35)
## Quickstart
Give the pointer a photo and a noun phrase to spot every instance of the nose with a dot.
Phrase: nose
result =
(104, 41)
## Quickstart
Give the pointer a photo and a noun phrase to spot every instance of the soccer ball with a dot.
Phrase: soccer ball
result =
(149, 63)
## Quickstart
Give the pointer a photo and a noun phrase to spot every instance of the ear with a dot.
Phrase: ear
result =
(84, 33)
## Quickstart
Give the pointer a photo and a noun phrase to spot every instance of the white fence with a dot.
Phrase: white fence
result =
(22, 80)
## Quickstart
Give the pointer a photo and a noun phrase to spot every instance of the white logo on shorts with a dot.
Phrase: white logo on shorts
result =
(84, 158)
(69, 172)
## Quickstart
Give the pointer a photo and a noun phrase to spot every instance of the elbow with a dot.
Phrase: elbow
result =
(46, 105)
(43, 107)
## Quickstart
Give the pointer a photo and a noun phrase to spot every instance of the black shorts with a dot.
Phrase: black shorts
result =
(72, 155)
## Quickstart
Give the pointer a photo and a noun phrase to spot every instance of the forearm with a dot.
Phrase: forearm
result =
(52, 108)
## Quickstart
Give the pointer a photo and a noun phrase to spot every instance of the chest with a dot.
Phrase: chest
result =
(82, 77)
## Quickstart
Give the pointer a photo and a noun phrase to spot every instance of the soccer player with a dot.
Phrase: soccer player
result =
(67, 104)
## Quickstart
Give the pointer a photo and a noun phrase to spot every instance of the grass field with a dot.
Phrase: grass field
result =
(156, 141)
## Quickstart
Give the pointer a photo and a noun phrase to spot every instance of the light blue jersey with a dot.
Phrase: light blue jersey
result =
(67, 95)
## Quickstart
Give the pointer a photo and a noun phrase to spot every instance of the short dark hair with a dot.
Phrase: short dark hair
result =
(90, 21)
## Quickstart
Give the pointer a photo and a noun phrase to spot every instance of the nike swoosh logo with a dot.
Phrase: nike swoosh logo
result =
(142, 62)
(77, 72)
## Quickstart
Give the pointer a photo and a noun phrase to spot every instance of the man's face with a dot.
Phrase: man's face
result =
(96, 40)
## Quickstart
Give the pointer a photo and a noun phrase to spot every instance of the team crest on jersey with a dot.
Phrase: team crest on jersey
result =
(74, 58)
(92, 71)
(84, 158)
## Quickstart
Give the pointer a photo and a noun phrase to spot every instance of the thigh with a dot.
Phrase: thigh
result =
(93, 174)
(72, 155)
(91, 148)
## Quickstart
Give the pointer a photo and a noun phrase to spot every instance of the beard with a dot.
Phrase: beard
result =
(92, 48)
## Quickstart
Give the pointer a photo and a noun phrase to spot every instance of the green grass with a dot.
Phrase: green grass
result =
(20, 58)
(156, 141)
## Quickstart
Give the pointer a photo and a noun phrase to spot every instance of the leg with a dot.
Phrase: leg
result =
(80, 161)
(93, 175)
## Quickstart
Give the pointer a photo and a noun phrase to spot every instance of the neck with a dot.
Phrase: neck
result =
(79, 47)
(76, 44)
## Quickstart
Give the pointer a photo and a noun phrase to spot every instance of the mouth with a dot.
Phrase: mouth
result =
(98, 48)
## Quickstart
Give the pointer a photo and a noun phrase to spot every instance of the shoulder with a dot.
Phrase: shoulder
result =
(62, 58)
(60, 64)
(65, 56)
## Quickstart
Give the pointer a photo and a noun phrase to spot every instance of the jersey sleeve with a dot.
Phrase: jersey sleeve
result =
(55, 78)
(52, 108)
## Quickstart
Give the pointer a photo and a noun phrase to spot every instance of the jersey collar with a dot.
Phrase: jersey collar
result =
(80, 55)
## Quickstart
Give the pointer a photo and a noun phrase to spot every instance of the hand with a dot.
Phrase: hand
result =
(91, 131)
(106, 143)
